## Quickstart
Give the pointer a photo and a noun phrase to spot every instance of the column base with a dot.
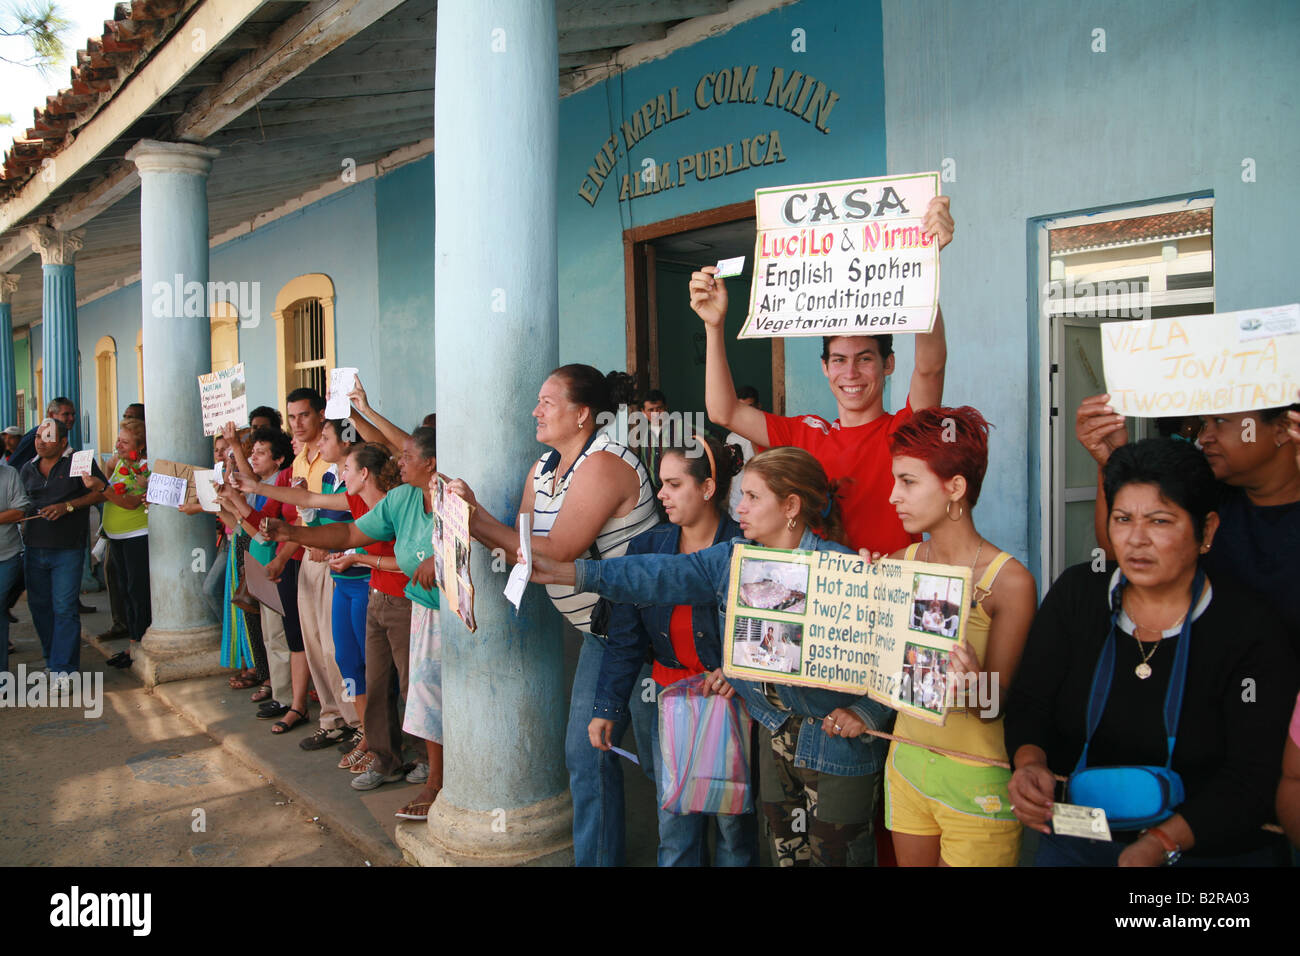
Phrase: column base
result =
(540, 834)
(168, 655)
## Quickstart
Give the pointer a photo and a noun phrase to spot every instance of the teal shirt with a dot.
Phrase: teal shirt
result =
(400, 518)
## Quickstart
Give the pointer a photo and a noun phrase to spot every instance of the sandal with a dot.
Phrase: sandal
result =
(363, 764)
(283, 726)
(415, 811)
(243, 683)
(353, 757)
(261, 694)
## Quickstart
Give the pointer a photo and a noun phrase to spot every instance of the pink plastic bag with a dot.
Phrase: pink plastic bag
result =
(704, 750)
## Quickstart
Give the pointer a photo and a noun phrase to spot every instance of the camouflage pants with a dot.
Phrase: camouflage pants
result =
(814, 819)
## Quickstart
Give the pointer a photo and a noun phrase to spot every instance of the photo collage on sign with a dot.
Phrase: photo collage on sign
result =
(451, 549)
(936, 611)
(770, 636)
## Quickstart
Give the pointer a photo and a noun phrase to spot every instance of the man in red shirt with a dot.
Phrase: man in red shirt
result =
(855, 447)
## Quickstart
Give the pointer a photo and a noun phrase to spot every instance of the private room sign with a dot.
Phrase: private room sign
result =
(793, 92)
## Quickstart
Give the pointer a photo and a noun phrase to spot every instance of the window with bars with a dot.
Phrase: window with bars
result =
(306, 359)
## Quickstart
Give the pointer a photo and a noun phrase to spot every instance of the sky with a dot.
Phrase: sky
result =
(22, 88)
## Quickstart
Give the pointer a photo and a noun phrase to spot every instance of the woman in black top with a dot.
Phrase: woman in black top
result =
(1240, 683)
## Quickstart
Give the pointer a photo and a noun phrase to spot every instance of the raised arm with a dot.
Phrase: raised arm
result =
(1100, 431)
(378, 429)
(709, 300)
(236, 449)
(931, 357)
(298, 497)
(328, 537)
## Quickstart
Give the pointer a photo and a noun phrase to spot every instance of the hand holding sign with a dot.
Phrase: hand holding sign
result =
(938, 220)
(709, 297)
(1098, 428)
(81, 462)
(342, 382)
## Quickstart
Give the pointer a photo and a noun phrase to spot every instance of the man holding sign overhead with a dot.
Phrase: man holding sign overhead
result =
(55, 534)
(855, 445)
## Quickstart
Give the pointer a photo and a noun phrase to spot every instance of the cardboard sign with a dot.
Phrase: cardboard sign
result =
(337, 403)
(166, 490)
(161, 467)
(844, 258)
(223, 397)
(1203, 364)
(451, 549)
(843, 623)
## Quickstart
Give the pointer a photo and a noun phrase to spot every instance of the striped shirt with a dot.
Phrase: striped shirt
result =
(548, 497)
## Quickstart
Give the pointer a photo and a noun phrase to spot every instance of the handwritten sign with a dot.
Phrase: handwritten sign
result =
(166, 490)
(844, 258)
(1203, 364)
(206, 489)
(451, 549)
(224, 398)
(843, 623)
(81, 462)
(342, 381)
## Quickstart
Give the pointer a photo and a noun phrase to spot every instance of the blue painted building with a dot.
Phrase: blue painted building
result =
(1044, 119)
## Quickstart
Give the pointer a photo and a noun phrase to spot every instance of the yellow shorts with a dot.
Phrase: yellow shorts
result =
(974, 837)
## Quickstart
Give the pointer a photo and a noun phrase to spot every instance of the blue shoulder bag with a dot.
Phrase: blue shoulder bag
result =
(1134, 798)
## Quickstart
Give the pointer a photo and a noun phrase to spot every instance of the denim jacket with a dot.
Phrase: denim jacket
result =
(644, 624)
(704, 577)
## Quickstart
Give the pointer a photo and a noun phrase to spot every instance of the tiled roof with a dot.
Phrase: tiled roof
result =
(1117, 232)
(136, 28)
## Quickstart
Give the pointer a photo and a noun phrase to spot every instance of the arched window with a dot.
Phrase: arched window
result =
(105, 393)
(40, 389)
(304, 334)
(225, 336)
(139, 366)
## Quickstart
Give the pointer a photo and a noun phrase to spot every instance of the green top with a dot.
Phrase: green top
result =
(400, 518)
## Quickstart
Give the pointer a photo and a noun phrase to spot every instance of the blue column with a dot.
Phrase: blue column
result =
(496, 111)
(183, 640)
(8, 382)
(59, 343)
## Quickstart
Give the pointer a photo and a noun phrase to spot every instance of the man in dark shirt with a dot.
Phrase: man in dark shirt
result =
(55, 536)
(61, 410)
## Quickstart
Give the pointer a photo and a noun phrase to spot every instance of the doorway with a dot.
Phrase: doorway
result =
(1124, 264)
(665, 339)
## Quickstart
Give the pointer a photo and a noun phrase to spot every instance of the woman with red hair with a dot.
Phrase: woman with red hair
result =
(950, 811)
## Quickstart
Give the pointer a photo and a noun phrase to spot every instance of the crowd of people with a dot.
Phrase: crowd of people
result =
(1173, 659)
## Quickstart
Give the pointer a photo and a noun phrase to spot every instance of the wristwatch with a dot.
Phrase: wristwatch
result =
(1173, 852)
(70, 508)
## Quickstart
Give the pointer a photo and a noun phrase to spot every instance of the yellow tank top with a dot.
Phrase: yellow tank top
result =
(962, 730)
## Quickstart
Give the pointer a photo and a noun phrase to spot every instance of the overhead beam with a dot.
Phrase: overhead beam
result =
(167, 66)
(622, 13)
(575, 41)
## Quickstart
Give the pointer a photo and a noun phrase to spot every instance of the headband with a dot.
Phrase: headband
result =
(713, 465)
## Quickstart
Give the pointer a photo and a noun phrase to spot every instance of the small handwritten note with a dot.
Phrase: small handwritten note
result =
(342, 381)
(81, 462)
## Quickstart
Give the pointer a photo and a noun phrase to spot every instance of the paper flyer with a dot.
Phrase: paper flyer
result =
(843, 623)
(342, 381)
(223, 398)
(844, 258)
(1203, 364)
(451, 549)
(522, 571)
(81, 462)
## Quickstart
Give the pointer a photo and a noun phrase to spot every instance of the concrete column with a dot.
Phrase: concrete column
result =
(496, 107)
(8, 383)
(183, 640)
(59, 345)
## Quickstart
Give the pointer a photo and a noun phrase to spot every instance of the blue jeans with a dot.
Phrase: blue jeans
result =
(214, 583)
(683, 838)
(596, 776)
(348, 619)
(53, 582)
(10, 570)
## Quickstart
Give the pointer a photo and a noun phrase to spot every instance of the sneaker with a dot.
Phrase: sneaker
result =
(373, 778)
(351, 741)
(322, 738)
(420, 774)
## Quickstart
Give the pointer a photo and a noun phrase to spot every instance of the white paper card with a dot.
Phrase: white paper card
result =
(219, 473)
(731, 267)
(81, 462)
(342, 381)
(206, 490)
(1069, 819)
(166, 490)
(520, 574)
(624, 753)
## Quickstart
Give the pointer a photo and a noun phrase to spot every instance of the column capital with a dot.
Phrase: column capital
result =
(8, 285)
(155, 156)
(56, 248)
